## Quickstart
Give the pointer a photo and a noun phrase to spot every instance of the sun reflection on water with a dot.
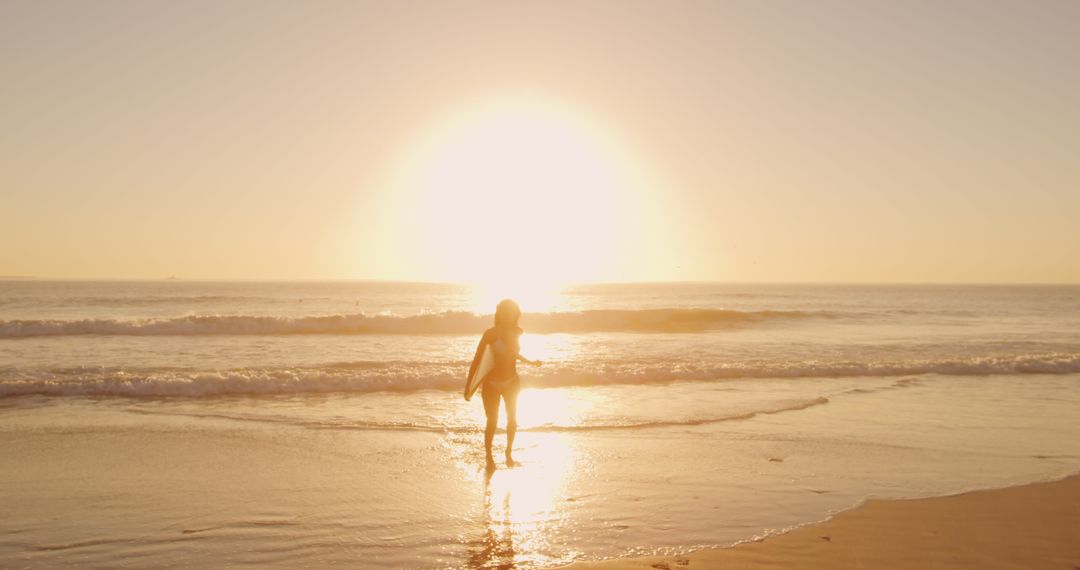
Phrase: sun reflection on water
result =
(552, 407)
(524, 506)
(533, 297)
(538, 409)
(548, 348)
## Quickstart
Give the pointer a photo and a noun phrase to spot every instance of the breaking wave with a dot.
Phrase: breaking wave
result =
(366, 376)
(448, 322)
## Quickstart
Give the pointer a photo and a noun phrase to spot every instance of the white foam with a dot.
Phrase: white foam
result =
(400, 376)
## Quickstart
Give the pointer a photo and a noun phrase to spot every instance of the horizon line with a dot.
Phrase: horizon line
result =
(569, 284)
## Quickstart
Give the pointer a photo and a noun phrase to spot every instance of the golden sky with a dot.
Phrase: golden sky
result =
(558, 141)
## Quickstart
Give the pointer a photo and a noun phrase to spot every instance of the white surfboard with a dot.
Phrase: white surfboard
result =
(487, 362)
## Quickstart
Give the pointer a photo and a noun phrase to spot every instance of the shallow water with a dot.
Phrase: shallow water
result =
(749, 410)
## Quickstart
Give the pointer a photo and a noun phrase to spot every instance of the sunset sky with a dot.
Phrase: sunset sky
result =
(561, 141)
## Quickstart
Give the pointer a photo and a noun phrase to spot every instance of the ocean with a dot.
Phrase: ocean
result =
(176, 423)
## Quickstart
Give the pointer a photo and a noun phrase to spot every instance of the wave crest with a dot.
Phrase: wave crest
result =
(447, 322)
(366, 376)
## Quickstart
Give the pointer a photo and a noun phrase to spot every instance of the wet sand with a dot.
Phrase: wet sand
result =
(1031, 526)
(290, 481)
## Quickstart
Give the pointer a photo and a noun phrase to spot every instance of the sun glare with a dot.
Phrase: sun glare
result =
(521, 196)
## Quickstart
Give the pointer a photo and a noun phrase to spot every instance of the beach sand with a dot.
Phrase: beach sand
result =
(1031, 526)
(285, 482)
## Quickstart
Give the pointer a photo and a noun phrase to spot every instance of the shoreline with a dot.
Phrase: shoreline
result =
(1035, 525)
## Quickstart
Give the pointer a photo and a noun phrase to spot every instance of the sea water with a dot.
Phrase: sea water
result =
(252, 424)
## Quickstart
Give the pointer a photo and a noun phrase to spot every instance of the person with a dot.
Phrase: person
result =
(502, 383)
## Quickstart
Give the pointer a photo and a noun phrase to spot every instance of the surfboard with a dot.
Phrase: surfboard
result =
(487, 362)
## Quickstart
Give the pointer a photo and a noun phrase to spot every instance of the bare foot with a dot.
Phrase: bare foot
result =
(510, 460)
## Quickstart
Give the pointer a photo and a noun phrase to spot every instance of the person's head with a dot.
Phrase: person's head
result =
(507, 313)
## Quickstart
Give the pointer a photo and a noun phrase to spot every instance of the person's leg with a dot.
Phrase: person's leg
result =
(491, 410)
(511, 422)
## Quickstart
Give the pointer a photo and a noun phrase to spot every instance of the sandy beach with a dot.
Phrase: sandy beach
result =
(1030, 526)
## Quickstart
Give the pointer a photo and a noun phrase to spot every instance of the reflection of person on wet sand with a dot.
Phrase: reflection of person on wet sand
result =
(502, 382)
(495, 549)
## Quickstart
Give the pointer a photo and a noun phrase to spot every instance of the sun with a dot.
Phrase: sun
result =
(519, 195)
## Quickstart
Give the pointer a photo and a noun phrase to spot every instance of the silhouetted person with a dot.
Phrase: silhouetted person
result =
(502, 381)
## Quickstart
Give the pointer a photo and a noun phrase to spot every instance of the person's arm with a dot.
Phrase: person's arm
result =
(527, 361)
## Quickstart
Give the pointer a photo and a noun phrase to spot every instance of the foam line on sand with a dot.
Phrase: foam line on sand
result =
(1030, 526)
